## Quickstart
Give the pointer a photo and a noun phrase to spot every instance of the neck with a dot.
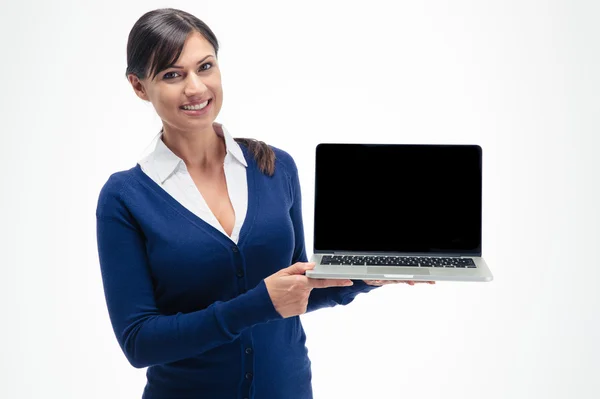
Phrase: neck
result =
(200, 150)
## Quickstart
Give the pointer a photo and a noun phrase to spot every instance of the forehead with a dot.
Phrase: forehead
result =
(195, 48)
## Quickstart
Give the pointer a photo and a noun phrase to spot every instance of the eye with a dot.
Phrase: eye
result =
(166, 75)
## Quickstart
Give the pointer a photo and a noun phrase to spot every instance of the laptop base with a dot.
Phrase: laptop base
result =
(480, 273)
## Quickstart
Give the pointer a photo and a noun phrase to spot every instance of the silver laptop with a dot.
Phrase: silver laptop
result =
(398, 212)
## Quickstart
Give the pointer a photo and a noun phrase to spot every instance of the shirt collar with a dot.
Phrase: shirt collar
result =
(232, 147)
(166, 162)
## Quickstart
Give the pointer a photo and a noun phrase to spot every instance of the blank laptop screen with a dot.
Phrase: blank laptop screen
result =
(421, 199)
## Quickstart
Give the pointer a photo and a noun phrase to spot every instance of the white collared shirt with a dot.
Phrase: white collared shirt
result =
(170, 172)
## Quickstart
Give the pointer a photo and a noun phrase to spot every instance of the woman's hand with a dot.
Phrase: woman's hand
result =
(384, 282)
(289, 288)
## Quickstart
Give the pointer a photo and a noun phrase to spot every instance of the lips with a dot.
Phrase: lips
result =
(196, 103)
(198, 112)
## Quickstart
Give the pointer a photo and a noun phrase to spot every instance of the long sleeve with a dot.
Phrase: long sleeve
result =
(319, 297)
(146, 336)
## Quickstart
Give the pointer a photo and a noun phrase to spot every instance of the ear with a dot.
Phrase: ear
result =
(138, 87)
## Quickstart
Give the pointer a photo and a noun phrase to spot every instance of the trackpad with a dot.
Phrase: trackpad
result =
(403, 272)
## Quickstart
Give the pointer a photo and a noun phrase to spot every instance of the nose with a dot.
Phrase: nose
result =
(194, 85)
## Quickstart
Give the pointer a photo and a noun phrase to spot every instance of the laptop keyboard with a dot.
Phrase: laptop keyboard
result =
(411, 261)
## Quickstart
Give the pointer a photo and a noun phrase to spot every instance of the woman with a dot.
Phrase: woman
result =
(201, 244)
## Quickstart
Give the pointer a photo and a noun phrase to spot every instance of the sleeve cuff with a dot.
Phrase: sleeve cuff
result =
(246, 310)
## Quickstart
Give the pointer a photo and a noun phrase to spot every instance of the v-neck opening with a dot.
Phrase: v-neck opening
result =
(250, 212)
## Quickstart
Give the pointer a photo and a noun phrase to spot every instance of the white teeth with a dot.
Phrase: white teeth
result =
(197, 106)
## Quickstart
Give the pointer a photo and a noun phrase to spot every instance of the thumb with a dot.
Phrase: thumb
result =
(299, 267)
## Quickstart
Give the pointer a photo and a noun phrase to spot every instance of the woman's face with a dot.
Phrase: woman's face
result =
(194, 79)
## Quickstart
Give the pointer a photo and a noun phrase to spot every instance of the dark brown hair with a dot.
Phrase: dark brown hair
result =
(155, 43)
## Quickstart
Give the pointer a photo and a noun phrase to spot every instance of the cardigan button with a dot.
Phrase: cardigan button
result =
(248, 351)
(235, 250)
(240, 273)
(248, 376)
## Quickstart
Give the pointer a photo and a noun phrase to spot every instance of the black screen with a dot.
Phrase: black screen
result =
(398, 198)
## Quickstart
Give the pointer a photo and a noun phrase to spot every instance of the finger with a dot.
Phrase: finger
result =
(299, 267)
(325, 283)
(383, 282)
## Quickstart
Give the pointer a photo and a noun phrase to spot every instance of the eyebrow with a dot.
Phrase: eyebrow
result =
(199, 62)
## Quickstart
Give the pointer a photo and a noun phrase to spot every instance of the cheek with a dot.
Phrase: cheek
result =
(217, 90)
(168, 99)
(214, 83)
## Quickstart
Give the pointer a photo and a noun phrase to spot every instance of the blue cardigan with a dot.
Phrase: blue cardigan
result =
(191, 305)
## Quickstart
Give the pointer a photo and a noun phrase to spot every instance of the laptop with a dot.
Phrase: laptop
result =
(398, 212)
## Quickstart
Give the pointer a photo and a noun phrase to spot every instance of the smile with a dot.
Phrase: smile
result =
(195, 107)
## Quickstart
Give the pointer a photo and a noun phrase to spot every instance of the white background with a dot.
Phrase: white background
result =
(518, 77)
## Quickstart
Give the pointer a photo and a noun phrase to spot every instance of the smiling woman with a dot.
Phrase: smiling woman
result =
(201, 244)
(156, 43)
